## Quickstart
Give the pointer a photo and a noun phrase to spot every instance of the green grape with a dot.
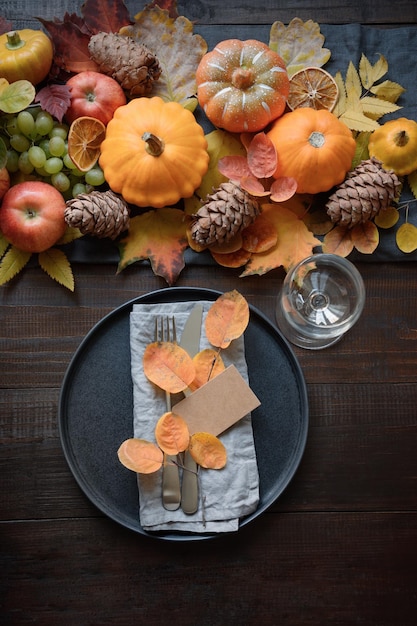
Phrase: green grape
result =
(25, 166)
(37, 156)
(42, 172)
(44, 144)
(59, 130)
(26, 124)
(77, 189)
(12, 163)
(78, 173)
(68, 163)
(19, 142)
(57, 146)
(94, 177)
(60, 181)
(44, 123)
(53, 165)
(11, 126)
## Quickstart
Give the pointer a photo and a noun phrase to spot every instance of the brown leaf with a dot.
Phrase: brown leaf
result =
(140, 456)
(259, 236)
(338, 241)
(239, 258)
(208, 364)
(55, 99)
(226, 319)
(105, 15)
(168, 365)
(171, 433)
(70, 44)
(253, 186)
(365, 237)
(208, 451)
(234, 167)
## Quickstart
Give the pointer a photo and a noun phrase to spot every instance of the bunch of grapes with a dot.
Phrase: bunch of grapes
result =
(37, 147)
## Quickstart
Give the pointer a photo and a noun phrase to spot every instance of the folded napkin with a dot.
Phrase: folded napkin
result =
(230, 493)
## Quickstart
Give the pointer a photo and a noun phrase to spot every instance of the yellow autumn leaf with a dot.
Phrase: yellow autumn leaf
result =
(340, 107)
(4, 244)
(370, 74)
(220, 143)
(376, 107)
(406, 237)
(356, 120)
(178, 50)
(352, 84)
(388, 90)
(387, 218)
(412, 182)
(55, 263)
(365, 237)
(300, 44)
(361, 150)
(12, 263)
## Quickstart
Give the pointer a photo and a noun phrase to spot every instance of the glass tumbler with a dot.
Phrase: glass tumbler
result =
(321, 298)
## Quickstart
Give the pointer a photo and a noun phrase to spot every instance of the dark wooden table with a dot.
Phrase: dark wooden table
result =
(339, 547)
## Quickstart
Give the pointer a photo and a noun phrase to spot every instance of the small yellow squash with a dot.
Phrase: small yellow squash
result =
(395, 145)
(25, 55)
(154, 153)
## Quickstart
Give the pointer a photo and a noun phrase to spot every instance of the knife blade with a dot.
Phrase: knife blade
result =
(190, 341)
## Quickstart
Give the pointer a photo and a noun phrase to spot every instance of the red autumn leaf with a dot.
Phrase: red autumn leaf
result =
(167, 5)
(5, 26)
(55, 99)
(140, 456)
(227, 319)
(253, 186)
(171, 433)
(234, 167)
(70, 38)
(105, 15)
(262, 156)
(283, 189)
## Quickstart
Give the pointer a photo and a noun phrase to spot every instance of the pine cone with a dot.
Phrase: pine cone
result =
(99, 213)
(224, 213)
(130, 63)
(366, 191)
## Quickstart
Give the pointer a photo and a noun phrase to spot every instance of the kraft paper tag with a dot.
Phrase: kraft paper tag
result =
(219, 404)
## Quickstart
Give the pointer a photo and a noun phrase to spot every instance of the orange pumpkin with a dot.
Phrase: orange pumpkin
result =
(242, 85)
(314, 147)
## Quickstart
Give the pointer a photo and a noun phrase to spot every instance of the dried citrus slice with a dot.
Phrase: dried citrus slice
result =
(84, 140)
(312, 87)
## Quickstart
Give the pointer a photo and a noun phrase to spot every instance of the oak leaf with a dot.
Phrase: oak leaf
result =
(140, 456)
(294, 242)
(226, 319)
(208, 451)
(178, 50)
(160, 236)
(171, 433)
(300, 44)
(168, 366)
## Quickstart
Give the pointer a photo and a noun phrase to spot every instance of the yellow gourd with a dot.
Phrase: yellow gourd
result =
(154, 153)
(395, 145)
(25, 55)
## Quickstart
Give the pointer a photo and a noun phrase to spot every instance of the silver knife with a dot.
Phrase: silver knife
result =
(190, 341)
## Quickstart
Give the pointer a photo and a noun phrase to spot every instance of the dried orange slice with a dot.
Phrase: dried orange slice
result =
(84, 140)
(312, 87)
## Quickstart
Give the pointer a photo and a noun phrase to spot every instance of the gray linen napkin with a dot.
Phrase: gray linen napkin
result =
(229, 493)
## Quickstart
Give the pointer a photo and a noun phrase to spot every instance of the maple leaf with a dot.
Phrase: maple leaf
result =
(5, 25)
(70, 38)
(294, 242)
(55, 99)
(300, 44)
(179, 51)
(105, 15)
(160, 236)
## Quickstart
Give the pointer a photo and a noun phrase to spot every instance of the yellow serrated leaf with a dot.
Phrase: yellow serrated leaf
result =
(377, 107)
(406, 237)
(55, 263)
(355, 120)
(370, 74)
(12, 263)
(388, 90)
(71, 234)
(4, 244)
(387, 218)
(353, 83)
(412, 182)
(340, 107)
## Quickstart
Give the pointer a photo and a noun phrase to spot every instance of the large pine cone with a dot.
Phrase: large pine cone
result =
(225, 212)
(366, 191)
(99, 213)
(130, 63)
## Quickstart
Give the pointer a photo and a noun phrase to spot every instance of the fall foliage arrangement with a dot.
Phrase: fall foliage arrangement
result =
(298, 158)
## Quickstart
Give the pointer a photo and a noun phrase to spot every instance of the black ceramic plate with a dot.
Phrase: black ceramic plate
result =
(96, 409)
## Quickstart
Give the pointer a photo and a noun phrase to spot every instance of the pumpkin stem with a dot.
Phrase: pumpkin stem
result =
(154, 145)
(316, 139)
(401, 139)
(242, 78)
(13, 40)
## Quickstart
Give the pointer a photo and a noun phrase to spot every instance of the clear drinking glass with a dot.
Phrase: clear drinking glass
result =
(321, 298)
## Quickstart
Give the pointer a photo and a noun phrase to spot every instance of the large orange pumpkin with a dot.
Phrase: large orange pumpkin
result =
(314, 147)
(242, 85)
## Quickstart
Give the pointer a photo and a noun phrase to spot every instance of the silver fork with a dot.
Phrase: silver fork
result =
(171, 490)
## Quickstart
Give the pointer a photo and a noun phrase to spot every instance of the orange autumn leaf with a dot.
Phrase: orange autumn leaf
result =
(140, 456)
(226, 319)
(365, 237)
(294, 242)
(160, 236)
(208, 451)
(232, 245)
(262, 156)
(253, 186)
(208, 364)
(283, 188)
(168, 365)
(232, 259)
(259, 236)
(171, 433)
(338, 241)
(233, 167)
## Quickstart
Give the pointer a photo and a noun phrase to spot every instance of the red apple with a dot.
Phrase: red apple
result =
(4, 181)
(94, 94)
(32, 216)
